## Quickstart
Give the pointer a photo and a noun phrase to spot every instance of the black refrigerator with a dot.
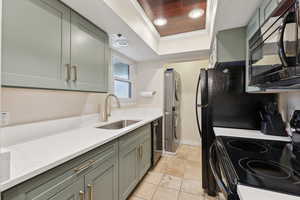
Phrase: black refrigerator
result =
(221, 101)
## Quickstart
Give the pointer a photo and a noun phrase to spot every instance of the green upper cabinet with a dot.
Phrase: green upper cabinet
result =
(266, 9)
(262, 13)
(89, 55)
(36, 35)
(230, 45)
(253, 25)
(47, 45)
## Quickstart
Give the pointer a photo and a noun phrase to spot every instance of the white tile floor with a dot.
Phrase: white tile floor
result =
(174, 178)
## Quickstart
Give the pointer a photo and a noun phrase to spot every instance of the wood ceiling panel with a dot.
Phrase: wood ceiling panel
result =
(176, 12)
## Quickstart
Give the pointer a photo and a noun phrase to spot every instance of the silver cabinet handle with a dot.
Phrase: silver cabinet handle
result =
(202, 106)
(74, 67)
(68, 72)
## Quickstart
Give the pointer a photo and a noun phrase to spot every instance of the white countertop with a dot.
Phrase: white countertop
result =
(36, 156)
(245, 133)
(250, 193)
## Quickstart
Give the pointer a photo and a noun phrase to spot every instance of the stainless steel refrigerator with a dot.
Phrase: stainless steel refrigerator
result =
(221, 101)
(172, 96)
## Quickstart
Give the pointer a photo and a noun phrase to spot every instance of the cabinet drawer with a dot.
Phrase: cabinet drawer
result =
(146, 132)
(129, 139)
(55, 180)
(254, 24)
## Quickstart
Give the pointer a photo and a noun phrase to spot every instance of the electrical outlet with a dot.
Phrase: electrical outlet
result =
(5, 118)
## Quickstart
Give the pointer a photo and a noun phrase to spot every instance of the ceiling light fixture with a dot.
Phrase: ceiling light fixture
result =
(160, 21)
(196, 13)
(118, 40)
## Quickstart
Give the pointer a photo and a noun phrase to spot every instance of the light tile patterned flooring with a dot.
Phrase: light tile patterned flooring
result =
(174, 178)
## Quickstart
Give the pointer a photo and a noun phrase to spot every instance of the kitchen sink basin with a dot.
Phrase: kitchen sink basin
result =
(119, 124)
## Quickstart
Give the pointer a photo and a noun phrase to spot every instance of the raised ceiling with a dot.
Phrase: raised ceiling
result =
(176, 12)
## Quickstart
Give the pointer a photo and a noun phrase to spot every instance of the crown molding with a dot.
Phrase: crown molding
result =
(138, 7)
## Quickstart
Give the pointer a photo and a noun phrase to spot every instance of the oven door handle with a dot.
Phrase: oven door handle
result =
(212, 163)
(281, 51)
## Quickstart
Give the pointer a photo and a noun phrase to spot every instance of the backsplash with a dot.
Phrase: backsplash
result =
(288, 103)
(32, 105)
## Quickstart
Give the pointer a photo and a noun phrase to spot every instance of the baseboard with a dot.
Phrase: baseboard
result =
(191, 142)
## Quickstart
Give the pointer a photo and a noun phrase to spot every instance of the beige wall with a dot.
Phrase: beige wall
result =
(189, 73)
(31, 105)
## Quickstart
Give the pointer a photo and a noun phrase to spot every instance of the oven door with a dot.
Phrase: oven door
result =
(273, 49)
(223, 177)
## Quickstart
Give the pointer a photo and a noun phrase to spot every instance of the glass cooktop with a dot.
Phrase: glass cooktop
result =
(265, 164)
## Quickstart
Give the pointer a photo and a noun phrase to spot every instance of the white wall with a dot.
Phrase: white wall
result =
(149, 77)
(189, 42)
(1, 137)
(32, 105)
(189, 73)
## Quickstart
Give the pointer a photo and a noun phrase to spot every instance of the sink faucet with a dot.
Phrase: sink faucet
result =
(107, 107)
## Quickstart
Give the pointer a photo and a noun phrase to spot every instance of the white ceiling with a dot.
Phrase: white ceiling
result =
(119, 16)
(102, 15)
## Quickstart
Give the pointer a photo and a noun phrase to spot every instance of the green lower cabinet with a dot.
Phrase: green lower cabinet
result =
(65, 186)
(134, 160)
(128, 169)
(102, 182)
(95, 172)
(72, 192)
(145, 160)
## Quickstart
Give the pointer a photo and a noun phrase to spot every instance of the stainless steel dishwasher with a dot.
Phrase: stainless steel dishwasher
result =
(156, 140)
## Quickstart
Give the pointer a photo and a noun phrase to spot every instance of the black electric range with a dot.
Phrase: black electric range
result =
(265, 164)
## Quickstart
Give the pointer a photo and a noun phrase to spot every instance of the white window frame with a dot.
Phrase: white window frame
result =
(131, 79)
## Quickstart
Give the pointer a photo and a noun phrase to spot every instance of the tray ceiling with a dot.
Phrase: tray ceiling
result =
(180, 16)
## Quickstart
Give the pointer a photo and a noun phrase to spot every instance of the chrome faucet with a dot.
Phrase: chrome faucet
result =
(107, 107)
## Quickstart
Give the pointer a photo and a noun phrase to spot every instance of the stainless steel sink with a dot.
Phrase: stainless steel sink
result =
(119, 124)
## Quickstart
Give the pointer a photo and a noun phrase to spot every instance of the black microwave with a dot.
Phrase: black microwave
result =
(274, 50)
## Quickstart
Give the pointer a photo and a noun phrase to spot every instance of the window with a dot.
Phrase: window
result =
(123, 79)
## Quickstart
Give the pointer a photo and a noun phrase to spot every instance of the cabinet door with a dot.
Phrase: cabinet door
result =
(266, 9)
(102, 182)
(145, 157)
(36, 40)
(73, 192)
(254, 24)
(128, 171)
(89, 56)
